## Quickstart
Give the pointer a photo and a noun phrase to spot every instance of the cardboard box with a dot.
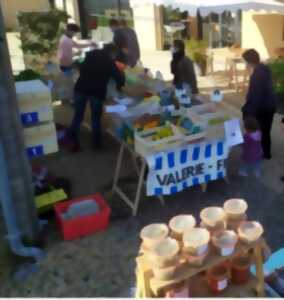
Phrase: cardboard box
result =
(35, 104)
(41, 140)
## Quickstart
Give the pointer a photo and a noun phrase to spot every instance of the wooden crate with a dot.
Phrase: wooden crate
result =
(34, 100)
(149, 286)
(41, 140)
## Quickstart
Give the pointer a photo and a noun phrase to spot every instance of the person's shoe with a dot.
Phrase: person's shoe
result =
(98, 146)
(282, 178)
(74, 148)
(267, 156)
(243, 173)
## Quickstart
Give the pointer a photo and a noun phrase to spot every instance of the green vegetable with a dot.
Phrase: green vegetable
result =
(27, 75)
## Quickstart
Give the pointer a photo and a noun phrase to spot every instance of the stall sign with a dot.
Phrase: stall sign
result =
(174, 171)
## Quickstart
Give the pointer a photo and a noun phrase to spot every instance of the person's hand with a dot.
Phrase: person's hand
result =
(94, 45)
(125, 50)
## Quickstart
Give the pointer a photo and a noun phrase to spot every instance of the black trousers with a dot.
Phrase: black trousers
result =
(265, 122)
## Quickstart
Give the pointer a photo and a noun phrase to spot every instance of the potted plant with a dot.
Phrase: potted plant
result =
(40, 33)
(196, 50)
(277, 69)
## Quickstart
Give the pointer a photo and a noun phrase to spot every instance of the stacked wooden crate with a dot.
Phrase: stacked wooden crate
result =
(35, 105)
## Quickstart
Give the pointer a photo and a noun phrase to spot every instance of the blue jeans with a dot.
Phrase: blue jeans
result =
(80, 102)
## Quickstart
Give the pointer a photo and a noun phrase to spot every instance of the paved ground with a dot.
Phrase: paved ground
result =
(103, 265)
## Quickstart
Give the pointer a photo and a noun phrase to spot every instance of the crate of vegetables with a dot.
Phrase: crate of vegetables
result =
(157, 139)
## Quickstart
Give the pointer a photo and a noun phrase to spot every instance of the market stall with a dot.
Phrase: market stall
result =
(175, 141)
(185, 259)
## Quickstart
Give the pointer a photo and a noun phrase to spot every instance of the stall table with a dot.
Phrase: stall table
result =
(141, 168)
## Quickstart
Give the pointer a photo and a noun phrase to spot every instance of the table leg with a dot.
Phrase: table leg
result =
(204, 187)
(259, 271)
(118, 167)
(139, 188)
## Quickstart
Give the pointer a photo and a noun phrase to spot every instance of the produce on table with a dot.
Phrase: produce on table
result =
(148, 121)
(217, 121)
(162, 133)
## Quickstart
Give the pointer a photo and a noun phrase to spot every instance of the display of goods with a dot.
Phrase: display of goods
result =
(234, 224)
(196, 241)
(196, 260)
(157, 139)
(181, 224)
(217, 121)
(147, 121)
(240, 269)
(235, 209)
(152, 234)
(220, 226)
(166, 97)
(180, 290)
(163, 133)
(250, 232)
(212, 216)
(165, 274)
(164, 253)
(225, 242)
(218, 278)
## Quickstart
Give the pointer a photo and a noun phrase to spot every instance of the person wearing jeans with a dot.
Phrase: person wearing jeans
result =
(80, 102)
(95, 73)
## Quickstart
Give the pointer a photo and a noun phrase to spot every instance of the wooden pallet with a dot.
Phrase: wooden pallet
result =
(149, 286)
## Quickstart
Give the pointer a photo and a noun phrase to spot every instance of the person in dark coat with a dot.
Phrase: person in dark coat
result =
(131, 43)
(95, 73)
(119, 41)
(182, 67)
(260, 99)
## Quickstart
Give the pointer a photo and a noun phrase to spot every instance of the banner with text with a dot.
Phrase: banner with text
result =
(173, 171)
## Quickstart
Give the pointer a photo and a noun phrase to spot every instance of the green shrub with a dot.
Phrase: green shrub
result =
(40, 31)
(277, 69)
(27, 75)
(196, 50)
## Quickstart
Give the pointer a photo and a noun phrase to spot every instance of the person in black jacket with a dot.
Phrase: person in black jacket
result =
(260, 99)
(182, 67)
(95, 72)
(119, 40)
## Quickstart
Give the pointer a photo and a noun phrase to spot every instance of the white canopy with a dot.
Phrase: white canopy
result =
(216, 6)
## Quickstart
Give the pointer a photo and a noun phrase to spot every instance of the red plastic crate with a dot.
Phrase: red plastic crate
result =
(85, 225)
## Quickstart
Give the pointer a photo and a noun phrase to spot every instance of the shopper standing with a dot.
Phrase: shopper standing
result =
(260, 99)
(132, 45)
(182, 67)
(66, 47)
(95, 73)
(119, 41)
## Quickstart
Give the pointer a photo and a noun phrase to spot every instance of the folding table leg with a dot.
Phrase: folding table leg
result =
(118, 167)
(139, 188)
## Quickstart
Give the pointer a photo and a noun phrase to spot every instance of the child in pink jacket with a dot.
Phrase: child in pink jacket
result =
(252, 150)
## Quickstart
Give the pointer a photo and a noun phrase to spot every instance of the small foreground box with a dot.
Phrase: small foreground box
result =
(83, 225)
(34, 100)
(41, 140)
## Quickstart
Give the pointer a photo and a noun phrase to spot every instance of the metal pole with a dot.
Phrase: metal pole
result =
(11, 134)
